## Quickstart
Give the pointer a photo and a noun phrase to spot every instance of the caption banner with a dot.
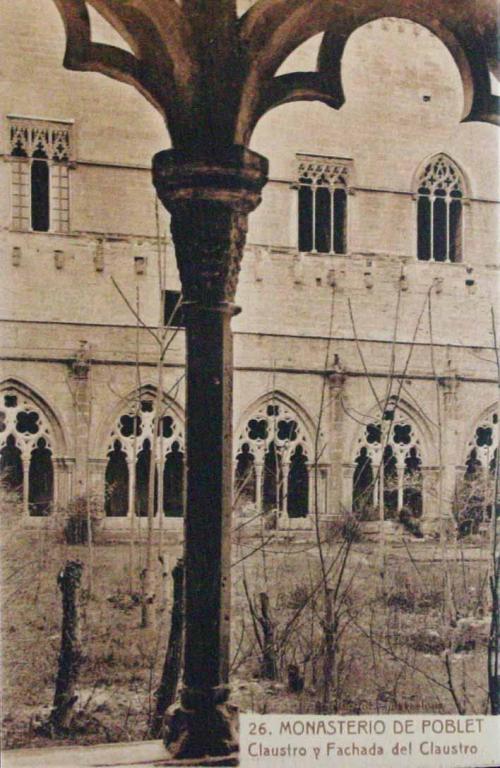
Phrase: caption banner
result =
(381, 741)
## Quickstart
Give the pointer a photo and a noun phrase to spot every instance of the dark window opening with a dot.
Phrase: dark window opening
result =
(412, 491)
(439, 229)
(41, 481)
(340, 221)
(40, 195)
(298, 485)
(116, 484)
(305, 218)
(173, 483)
(245, 486)
(142, 482)
(11, 466)
(424, 228)
(390, 484)
(172, 316)
(323, 222)
(362, 494)
(455, 231)
(272, 494)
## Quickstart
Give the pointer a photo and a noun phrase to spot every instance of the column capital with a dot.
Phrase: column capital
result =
(233, 177)
(209, 199)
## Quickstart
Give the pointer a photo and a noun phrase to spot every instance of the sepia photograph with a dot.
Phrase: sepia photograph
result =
(249, 383)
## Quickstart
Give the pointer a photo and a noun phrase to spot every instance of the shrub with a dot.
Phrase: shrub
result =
(407, 519)
(347, 527)
(79, 513)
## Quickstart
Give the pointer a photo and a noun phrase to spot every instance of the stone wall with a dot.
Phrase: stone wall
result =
(403, 104)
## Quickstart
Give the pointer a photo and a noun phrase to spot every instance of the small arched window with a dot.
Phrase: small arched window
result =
(26, 464)
(272, 465)
(388, 470)
(440, 194)
(40, 161)
(129, 460)
(322, 191)
(475, 494)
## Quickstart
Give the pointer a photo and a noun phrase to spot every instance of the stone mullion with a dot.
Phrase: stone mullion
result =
(26, 460)
(401, 475)
(259, 475)
(283, 496)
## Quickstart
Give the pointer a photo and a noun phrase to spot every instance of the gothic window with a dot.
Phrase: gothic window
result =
(26, 465)
(40, 157)
(440, 194)
(129, 461)
(322, 193)
(272, 464)
(387, 470)
(475, 494)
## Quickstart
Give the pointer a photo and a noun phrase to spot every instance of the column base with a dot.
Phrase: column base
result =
(203, 725)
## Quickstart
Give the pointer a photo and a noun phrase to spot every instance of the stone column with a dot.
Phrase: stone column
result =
(336, 379)
(209, 201)
(80, 370)
(449, 446)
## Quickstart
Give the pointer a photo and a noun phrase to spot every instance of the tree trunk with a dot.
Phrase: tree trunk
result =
(329, 657)
(70, 655)
(167, 690)
(269, 664)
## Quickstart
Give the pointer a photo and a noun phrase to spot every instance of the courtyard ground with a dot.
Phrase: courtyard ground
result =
(403, 648)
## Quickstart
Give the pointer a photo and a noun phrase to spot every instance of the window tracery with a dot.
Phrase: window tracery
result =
(475, 495)
(26, 452)
(40, 154)
(129, 457)
(322, 191)
(440, 189)
(273, 463)
(388, 469)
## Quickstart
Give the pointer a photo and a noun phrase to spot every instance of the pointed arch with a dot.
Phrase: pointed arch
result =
(292, 406)
(126, 406)
(440, 187)
(29, 394)
(463, 177)
(488, 419)
(273, 459)
(272, 29)
(389, 455)
(128, 444)
(30, 439)
(404, 410)
(475, 487)
(483, 436)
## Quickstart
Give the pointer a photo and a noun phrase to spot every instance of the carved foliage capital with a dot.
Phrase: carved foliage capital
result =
(209, 200)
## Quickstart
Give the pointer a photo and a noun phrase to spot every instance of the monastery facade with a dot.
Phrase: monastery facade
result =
(366, 378)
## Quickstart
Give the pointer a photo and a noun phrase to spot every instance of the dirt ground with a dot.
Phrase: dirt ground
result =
(416, 643)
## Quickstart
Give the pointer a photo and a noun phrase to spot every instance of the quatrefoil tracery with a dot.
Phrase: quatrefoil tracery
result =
(21, 421)
(134, 431)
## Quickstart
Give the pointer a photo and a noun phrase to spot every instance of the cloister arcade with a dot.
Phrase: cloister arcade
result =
(280, 471)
